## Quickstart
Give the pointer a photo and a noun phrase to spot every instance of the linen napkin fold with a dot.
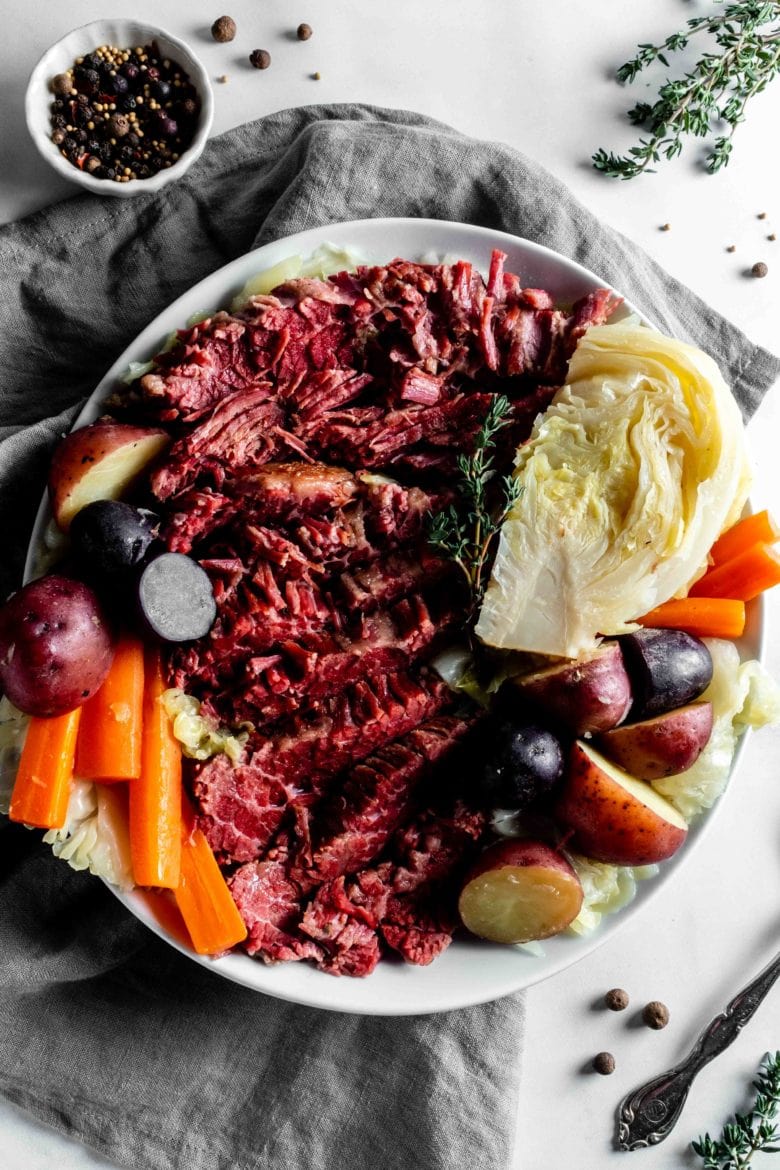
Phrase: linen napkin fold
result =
(105, 1031)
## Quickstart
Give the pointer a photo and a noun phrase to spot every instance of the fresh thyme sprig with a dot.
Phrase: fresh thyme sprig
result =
(750, 1132)
(465, 530)
(716, 90)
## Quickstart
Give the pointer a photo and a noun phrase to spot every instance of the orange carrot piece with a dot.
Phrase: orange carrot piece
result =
(155, 797)
(203, 897)
(759, 528)
(706, 617)
(743, 577)
(110, 735)
(43, 778)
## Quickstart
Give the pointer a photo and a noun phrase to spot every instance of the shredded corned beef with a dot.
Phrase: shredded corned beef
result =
(313, 433)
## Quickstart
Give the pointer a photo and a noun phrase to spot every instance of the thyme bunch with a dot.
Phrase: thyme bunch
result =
(465, 530)
(749, 1133)
(712, 97)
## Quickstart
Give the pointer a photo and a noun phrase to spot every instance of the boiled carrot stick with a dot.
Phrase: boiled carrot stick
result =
(43, 778)
(155, 796)
(743, 576)
(111, 731)
(203, 897)
(759, 528)
(706, 617)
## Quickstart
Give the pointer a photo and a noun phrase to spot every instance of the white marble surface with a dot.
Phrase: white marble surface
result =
(537, 75)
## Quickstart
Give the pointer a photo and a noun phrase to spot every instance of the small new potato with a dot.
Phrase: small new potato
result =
(520, 891)
(663, 746)
(668, 668)
(588, 695)
(615, 817)
(99, 462)
(55, 646)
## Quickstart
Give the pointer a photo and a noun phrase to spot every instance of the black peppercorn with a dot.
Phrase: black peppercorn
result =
(160, 90)
(86, 81)
(118, 84)
(303, 32)
(59, 121)
(130, 70)
(109, 173)
(126, 103)
(189, 108)
(260, 58)
(223, 29)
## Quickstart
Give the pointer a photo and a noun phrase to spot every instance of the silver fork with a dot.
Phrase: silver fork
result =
(649, 1114)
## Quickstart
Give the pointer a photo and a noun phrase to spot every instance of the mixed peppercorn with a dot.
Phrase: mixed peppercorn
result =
(123, 114)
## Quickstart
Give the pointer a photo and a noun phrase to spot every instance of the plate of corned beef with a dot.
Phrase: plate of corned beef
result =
(315, 433)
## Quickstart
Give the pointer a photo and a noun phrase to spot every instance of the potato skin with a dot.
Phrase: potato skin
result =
(55, 646)
(663, 746)
(589, 695)
(520, 852)
(99, 461)
(610, 822)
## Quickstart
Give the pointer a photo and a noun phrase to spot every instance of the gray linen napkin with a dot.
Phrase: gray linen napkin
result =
(105, 1032)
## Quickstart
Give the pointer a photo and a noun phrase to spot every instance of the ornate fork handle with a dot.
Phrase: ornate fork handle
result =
(649, 1114)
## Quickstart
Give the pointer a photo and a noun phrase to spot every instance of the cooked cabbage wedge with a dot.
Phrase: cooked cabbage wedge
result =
(628, 477)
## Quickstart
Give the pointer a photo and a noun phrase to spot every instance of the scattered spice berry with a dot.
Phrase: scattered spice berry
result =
(223, 79)
(732, 248)
(616, 999)
(123, 114)
(223, 29)
(303, 32)
(62, 84)
(772, 237)
(260, 58)
(666, 227)
(604, 1063)
(761, 215)
(759, 269)
(655, 1014)
(316, 76)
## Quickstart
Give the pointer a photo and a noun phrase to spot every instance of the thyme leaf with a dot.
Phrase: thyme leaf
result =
(743, 59)
(748, 1133)
(464, 531)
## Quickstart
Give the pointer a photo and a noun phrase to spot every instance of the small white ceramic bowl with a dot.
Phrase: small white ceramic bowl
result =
(125, 34)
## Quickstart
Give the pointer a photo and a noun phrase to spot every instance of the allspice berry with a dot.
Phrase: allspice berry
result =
(223, 29)
(759, 269)
(120, 125)
(655, 1014)
(260, 58)
(616, 999)
(303, 32)
(62, 84)
(604, 1063)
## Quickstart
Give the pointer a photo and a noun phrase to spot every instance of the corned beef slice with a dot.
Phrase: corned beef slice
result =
(357, 821)
(365, 367)
(346, 914)
(242, 806)
(340, 839)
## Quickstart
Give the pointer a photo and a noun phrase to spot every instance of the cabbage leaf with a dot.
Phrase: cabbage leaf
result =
(628, 478)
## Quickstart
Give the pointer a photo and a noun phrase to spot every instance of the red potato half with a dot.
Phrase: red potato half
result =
(520, 891)
(663, 746)
(615, 817)
(99, 462)
(589, 695)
